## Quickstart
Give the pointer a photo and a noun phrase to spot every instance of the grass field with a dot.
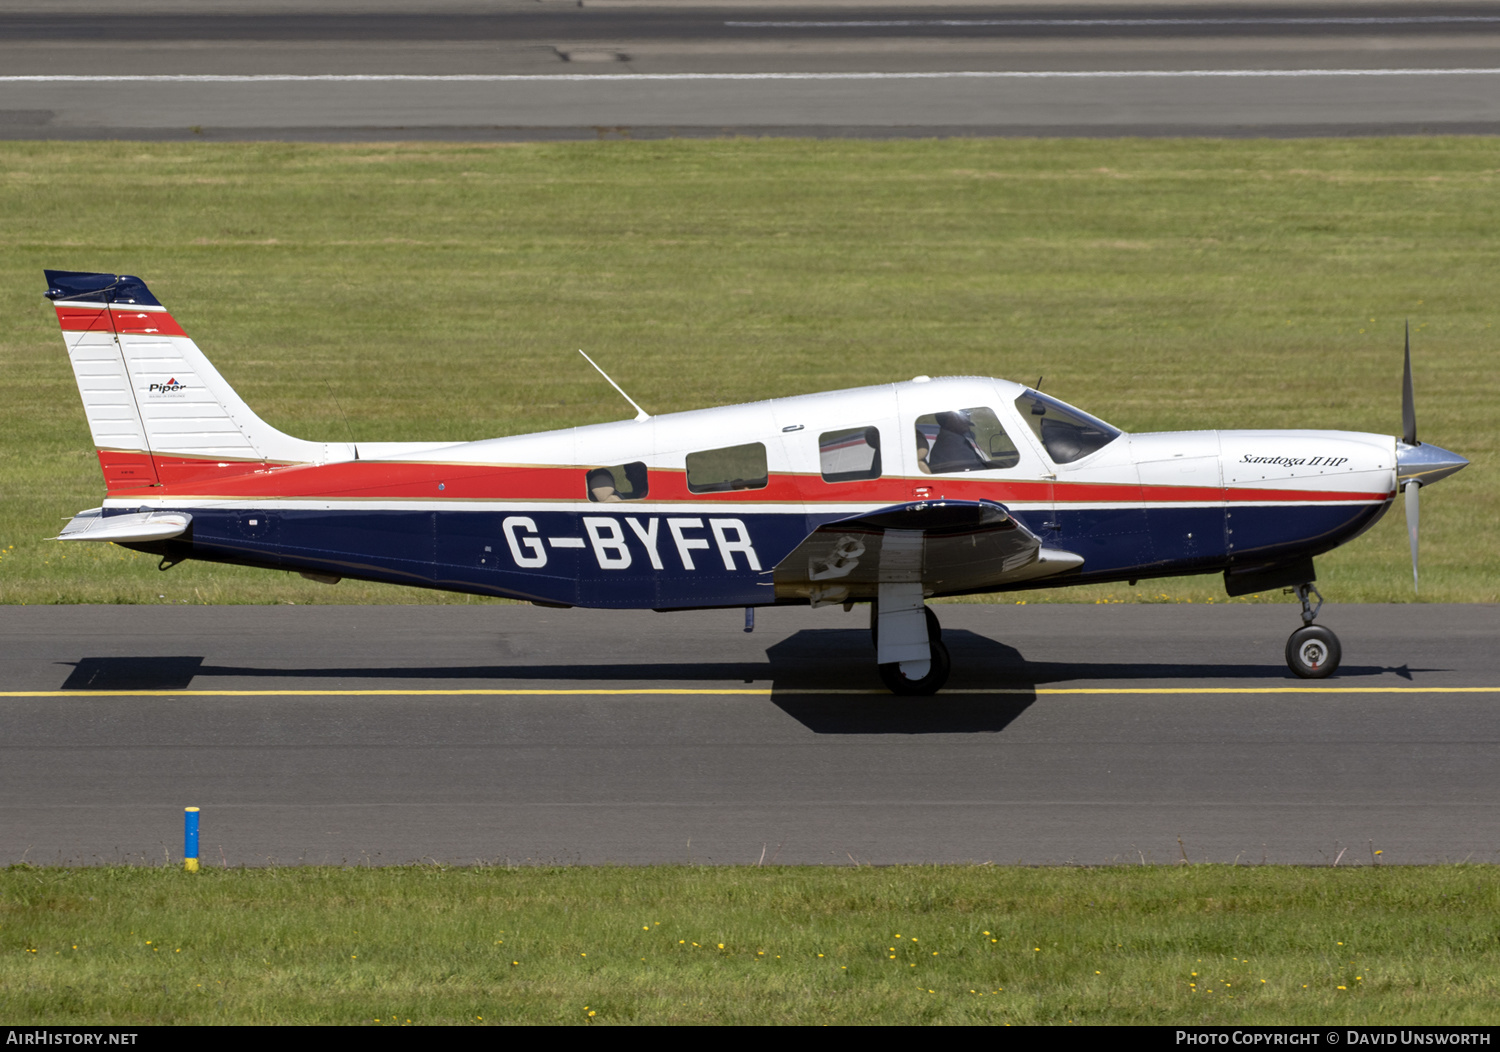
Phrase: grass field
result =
(968, 944)
(439, 291)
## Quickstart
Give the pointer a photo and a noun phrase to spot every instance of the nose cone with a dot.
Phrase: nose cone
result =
(1424, 464)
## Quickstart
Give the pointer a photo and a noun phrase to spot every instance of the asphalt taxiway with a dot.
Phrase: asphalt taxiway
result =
(1068, 734)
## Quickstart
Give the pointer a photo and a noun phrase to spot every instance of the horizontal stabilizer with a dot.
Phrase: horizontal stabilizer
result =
(94, 525)
(947, 546)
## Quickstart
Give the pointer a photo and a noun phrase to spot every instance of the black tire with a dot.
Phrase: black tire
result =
(1313, 652)
(931, 683)
(934, 628)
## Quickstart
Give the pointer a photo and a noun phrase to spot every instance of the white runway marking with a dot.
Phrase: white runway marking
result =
(503, 78)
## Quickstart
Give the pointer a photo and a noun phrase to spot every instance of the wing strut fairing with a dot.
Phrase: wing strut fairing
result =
(945, 546)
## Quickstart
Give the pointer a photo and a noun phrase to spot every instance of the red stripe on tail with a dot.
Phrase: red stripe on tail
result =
(131, 320)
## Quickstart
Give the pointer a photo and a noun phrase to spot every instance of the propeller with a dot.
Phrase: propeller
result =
(1409, 436)
(1417, 465)
(1408, 404)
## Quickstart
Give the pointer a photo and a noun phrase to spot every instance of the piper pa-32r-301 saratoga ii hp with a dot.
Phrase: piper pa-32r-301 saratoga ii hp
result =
(887, 495)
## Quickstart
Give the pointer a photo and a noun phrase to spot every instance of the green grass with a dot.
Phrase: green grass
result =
(1191, 944)
(439, 291)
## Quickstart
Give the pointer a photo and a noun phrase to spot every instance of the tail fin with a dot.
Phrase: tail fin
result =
(150, 394)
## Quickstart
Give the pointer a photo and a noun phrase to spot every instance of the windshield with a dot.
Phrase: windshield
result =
(1066, 433)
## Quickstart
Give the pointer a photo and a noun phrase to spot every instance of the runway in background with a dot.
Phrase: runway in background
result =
(547, 70)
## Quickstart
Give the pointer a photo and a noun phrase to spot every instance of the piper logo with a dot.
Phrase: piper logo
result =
(170, 387)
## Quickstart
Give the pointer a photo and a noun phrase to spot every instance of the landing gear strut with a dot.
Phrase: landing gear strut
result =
(914, 677)
(1312, 651)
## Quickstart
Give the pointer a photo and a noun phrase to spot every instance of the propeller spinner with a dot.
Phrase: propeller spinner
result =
(1417, 465)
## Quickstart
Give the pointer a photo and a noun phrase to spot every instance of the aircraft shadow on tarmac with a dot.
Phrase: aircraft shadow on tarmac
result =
(802, 671)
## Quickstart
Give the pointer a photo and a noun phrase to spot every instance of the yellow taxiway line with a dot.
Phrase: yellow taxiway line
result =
(713, 692)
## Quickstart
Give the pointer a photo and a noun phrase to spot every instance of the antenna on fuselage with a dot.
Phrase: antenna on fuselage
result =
(352, 443)
(640, 414)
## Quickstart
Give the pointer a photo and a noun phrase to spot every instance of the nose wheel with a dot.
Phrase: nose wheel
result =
(1312, 652)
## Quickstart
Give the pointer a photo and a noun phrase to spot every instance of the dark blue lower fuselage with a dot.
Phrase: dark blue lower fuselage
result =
(720, 557)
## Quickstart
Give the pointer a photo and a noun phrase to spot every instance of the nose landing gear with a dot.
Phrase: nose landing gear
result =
(1312, 652)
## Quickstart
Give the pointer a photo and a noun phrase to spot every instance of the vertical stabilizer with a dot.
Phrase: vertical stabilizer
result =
(149, 392)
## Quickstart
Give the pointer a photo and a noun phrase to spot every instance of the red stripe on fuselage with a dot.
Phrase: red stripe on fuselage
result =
(128, 471)
(408, 480)
(126, 320)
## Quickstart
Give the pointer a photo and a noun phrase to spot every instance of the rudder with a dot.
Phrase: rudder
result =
(149, 393)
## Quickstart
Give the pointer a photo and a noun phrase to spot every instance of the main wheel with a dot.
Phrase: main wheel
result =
(934, 627)
(937, 674)
(1313, 652)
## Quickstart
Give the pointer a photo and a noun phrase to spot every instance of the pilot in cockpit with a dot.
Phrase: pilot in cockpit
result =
(954, 449)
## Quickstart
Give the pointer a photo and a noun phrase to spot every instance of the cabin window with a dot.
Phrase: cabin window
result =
(1067, 434)
(963, 440)
(622, 482)
(734, 467)
(847, 456)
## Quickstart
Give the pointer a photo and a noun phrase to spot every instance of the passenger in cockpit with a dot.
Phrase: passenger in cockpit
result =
(923, 451)
(601, 483)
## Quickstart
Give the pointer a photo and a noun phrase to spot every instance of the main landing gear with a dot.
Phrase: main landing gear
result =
(913, 676)
(1312, 651)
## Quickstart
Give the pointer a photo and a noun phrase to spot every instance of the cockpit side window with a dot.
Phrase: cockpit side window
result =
(963, 440)
(1067, 434)
(730, 468)
(847, 456)
(622, 482)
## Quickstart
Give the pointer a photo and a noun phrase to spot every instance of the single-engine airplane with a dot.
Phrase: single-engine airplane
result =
(887, 495)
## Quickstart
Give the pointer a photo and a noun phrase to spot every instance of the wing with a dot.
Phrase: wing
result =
(949, 546)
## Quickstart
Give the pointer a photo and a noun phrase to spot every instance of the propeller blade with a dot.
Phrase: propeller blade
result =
(1408, 404)
(1413, 517)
